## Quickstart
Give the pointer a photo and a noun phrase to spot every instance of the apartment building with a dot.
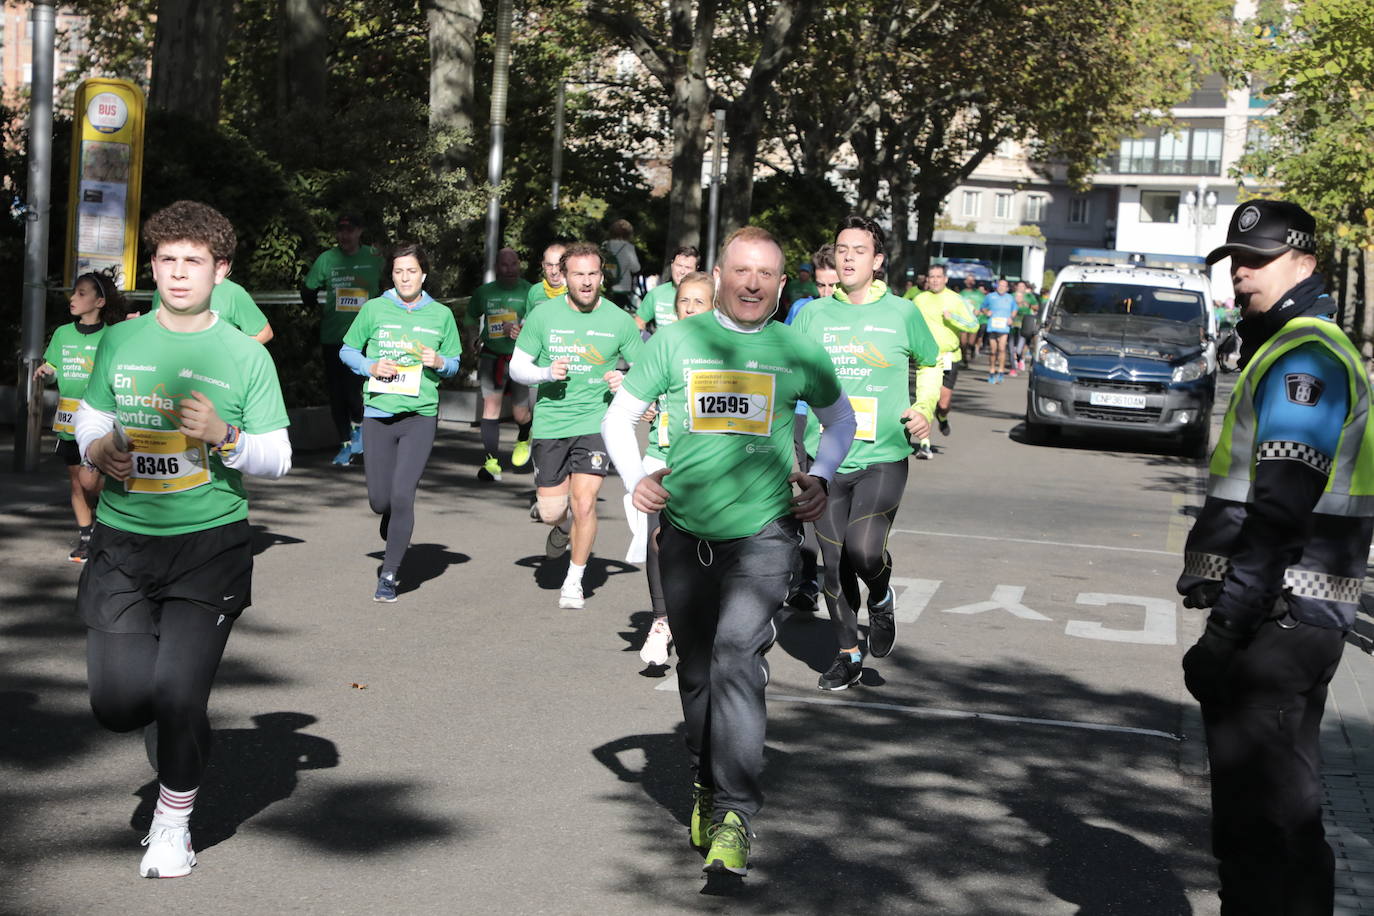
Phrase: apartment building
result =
(16, 47)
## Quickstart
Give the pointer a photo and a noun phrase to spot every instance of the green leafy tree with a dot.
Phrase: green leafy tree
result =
(1318, 140)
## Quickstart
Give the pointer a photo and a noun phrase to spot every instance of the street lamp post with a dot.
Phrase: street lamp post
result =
(29, 403)
(1202, 204)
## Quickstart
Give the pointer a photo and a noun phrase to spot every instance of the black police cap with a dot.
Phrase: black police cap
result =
(1268, 227)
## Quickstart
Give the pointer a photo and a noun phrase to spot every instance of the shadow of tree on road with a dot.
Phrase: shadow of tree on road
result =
(914, 812)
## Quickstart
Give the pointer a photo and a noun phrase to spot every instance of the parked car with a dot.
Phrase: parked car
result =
(1125, 343)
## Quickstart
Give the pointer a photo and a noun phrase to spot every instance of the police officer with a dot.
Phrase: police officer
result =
(1278, 554)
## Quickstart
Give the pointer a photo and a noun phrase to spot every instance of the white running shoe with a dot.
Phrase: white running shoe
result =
(659, 641)
(169, 853)
(571, 596)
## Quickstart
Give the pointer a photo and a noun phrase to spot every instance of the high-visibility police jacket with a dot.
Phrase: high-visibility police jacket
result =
(1323, 586)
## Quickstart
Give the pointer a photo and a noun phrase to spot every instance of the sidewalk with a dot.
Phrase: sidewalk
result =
(1348, 768)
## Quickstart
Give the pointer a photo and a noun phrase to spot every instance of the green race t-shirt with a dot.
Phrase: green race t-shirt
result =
(502, 307)
(973, 298)
(348, 281)
(231, 302)
(384, 329)
(659, 305)
(142, 372)
(732, 398)
(873, 347)
(72, 353)
(538, 295)
(593, 342)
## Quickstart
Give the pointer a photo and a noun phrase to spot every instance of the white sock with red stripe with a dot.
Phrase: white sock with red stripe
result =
(173, 808)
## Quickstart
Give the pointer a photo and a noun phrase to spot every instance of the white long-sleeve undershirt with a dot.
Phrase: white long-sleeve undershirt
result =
(259, 454)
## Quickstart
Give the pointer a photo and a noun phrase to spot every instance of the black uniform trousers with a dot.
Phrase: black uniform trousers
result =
(1263, 747)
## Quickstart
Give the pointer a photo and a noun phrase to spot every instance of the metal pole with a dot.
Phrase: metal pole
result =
(559, 104)
(500, 83)
(29, 406)
(713, 213)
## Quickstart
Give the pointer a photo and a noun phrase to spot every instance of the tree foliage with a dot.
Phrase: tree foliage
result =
(1318, 61)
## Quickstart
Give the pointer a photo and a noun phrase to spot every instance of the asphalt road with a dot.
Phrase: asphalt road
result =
(473, 748)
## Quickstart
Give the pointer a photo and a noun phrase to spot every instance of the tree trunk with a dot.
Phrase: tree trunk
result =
(304, 48)
(1365, 286)
(453, 28)
(927, 208)
(869, 168)
(898, 251)
(188, 57)
(689, 112)
(744, 127)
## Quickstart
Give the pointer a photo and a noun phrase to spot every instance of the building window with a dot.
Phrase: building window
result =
(1179, 150)
(1159, 206)
(973, 203)
(1035, 208)
(1078, 211)
(1001, 206)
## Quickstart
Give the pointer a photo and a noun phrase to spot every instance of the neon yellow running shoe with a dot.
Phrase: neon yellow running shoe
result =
(520, 455)
(729, 846)
(490, 469)
(703, 807)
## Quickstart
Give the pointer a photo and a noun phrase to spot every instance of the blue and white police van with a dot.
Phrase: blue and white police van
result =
(1125, 343)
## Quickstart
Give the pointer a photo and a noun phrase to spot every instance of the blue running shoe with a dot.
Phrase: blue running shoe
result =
(386, 588)
(355, 441)
(345, 455)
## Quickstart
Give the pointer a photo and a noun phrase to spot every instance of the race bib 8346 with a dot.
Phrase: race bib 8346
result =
(730, 401)
(165, 461)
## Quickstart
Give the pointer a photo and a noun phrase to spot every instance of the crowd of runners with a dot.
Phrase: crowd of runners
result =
(779, 422)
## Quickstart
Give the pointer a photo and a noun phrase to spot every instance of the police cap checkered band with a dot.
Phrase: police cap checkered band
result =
(1302, 241)
(1268, 228)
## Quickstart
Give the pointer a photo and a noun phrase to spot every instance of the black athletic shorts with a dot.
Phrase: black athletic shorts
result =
(555, 459)
(129, 576)
(68, 451)
(951, 376)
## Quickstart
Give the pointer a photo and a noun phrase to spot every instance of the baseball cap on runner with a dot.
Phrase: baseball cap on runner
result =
(349, 219)
(1268, 227)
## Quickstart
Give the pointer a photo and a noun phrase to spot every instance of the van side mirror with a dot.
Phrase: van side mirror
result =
(1030, 326)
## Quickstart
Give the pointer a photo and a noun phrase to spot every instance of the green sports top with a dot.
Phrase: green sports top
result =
(72, 353)
(348, 280)
(502, 307)
(385, 329)
(231, 302)
(659, 305)
(873, 347)
(142, 372)
(594, 342)
(732, 397)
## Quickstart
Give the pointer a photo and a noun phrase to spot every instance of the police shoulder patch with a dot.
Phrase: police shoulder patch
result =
(1303, 389)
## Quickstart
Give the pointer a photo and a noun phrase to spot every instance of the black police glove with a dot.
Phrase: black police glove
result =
(1206, 663)
(1202, 595)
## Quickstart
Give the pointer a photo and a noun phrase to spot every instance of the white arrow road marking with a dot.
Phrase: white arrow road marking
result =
(1004, 598)
(912, 597)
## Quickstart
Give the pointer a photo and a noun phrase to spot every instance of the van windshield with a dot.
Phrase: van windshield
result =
(1098, 307)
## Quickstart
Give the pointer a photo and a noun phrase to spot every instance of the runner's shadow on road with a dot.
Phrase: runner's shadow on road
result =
(422, 563)
(249, 770)
(549, 574)
(264, 539)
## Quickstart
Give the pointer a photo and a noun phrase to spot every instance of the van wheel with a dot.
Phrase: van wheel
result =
(1040, 433)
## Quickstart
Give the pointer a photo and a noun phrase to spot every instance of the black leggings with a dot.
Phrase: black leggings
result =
(138, 678)
(345, 390)
(853, 534)
(397, 449)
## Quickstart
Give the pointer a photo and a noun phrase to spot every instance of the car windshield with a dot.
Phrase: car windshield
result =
(1082, 305)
